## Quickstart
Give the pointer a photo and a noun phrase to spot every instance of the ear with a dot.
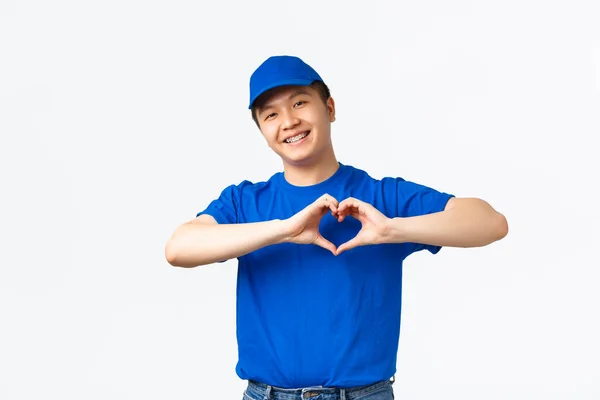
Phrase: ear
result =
(331, 109)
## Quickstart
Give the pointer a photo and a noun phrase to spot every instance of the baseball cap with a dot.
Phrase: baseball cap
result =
(280, 71)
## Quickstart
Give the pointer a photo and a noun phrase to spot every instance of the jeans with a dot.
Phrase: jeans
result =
(377, 391)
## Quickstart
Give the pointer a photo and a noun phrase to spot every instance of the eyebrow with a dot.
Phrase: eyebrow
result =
(296, 93)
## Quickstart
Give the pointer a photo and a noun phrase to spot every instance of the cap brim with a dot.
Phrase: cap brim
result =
(287, 82)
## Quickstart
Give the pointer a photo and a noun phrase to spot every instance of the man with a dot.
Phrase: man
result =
(320, 249)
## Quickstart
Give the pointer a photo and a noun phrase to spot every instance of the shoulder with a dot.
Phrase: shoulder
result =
(357, 173)
(390, 184)
(377, 181)
(248, 187)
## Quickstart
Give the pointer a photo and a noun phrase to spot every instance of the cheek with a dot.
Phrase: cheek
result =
(271, 139)
(320, 122)
(317, 117)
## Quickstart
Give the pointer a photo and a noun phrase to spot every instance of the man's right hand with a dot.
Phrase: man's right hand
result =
(204, 241)
(303, 227)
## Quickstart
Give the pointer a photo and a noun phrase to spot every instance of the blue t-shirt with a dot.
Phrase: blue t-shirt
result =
(304, 316)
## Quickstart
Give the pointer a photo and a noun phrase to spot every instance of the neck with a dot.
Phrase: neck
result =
(311, 173)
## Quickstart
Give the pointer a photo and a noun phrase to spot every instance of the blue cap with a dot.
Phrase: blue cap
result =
(280, 71)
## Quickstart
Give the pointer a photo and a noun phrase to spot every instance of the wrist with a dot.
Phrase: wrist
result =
(395, 231)
(282, 231)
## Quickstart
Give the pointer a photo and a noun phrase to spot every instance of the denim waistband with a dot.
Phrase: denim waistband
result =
(266, 392)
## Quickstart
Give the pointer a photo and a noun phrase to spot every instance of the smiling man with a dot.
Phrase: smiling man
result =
(320, 249)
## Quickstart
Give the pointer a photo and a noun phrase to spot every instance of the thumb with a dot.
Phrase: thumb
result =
(350, 244)
(326, 244)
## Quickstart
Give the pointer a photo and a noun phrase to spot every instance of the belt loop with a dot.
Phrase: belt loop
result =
(342, 394)
(268, 393)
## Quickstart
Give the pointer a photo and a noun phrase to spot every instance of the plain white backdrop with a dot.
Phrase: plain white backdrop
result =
(120, 120)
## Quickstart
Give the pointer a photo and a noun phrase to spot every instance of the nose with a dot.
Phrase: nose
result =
(289, 120)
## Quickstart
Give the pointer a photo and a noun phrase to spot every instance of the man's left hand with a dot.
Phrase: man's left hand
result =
(374, 223)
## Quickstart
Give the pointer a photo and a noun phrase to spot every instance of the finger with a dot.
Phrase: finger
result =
(349, 209)
(348, 203)
(358, 209)
(353, 212)
(333, 208)
(326, 244)
(352, 243)
(350, 200)
(328, 202)
(343, 209)
(361, 216)
(323, 207)
(331, 203)
(329, 199)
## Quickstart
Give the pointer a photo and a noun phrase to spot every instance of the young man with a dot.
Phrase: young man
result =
(320, 249)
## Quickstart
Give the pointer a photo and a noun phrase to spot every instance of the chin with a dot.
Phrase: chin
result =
(295, 160)
(299, 157)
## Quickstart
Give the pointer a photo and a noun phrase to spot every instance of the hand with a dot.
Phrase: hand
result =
(303, 228)
(374, 223)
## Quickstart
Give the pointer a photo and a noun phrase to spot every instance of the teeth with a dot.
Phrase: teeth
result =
(296, 138)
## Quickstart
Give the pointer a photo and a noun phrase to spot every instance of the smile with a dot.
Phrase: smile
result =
(297, 138)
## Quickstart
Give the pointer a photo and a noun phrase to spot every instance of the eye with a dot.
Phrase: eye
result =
(272, 115)
(299, 103)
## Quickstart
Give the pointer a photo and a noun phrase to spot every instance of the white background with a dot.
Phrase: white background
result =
(119, 120)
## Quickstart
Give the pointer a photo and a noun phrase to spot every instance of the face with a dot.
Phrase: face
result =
(297, 124)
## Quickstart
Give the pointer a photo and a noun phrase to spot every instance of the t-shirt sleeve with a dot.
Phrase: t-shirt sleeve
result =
(225, 208)
(413, 200)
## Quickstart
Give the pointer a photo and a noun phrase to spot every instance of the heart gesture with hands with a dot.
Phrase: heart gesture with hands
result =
(303, 227)
(374, 223)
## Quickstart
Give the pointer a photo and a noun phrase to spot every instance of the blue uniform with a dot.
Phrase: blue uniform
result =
(304, 316)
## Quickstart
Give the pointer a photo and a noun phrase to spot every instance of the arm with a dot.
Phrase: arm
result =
(203, 241)
(465, 222)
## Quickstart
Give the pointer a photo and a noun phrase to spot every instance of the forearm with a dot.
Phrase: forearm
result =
(471, 223)
(199, 244)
